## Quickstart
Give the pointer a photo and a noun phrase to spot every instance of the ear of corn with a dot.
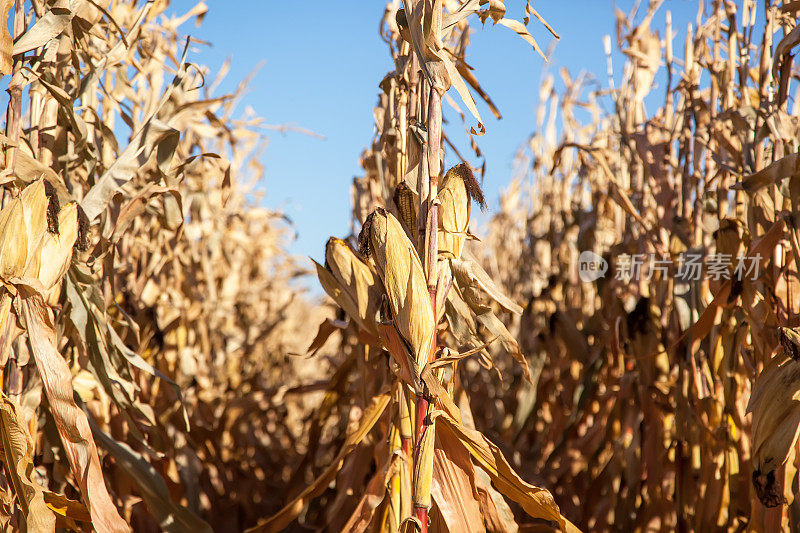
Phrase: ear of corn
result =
(776, 424)
(13, 240)
(186, 285)
(53, 257)
(35, 206)
(433, 225)
(458, 188)
(405, 201)
(775, 404)
(351, 282)
(401, 271)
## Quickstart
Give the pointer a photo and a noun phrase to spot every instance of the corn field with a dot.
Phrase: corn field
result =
(614, 346)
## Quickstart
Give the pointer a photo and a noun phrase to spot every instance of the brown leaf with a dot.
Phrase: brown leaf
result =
(73, 427)
(17, 453)
(536, 501)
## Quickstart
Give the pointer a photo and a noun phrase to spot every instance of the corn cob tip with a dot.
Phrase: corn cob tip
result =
(463, 171)
(53, 207)
(364, 247)
(82, 242)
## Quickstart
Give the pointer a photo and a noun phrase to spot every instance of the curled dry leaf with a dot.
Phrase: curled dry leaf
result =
(18, 451)
(536, 501)
(72, 424)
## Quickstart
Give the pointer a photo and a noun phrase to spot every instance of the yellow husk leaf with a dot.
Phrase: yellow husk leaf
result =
(13, 240)
(423, 469)
(454, 213)
(399, 267)
(34, 203)
(17, 454)
(55, 254)
(775, 404)
(357, 279)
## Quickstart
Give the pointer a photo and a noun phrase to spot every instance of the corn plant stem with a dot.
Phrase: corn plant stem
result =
(423, 182)
(15, 381)
(13, 121)
(420, 511)
(431, 240)
(434, 164)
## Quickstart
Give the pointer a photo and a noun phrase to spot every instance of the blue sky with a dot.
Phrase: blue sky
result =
(322, 62)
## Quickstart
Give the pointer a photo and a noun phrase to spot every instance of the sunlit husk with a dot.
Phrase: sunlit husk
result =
(775, 404)
(400, 269)
(35, 206)
(454, 213)
(354, 284)
(13, 240)
(423, 469)
(55, 253)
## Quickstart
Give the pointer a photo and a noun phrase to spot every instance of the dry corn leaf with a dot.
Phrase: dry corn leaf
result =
(46, 28)
(171, 516)
(71, 422)
(454, 491)
(374, 494)
(6, 44)
(18, 451)
(494, 509)
(536, 501)
(67, 511)
(469, 273)
(785, 167)
(154, 136)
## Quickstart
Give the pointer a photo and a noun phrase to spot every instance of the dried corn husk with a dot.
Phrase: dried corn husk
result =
(457, 189)
(775, 404)
(399, 267)
(470, 275)
(13, 240)
(17, 452)
(351, 282)
(423, 469)
(52, 259)
(38, 214)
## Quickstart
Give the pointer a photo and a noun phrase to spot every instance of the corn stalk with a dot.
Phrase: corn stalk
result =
(121, 215)
(412, 282)
(674, 388)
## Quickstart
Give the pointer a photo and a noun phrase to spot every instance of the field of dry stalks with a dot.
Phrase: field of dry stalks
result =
(616, 349)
